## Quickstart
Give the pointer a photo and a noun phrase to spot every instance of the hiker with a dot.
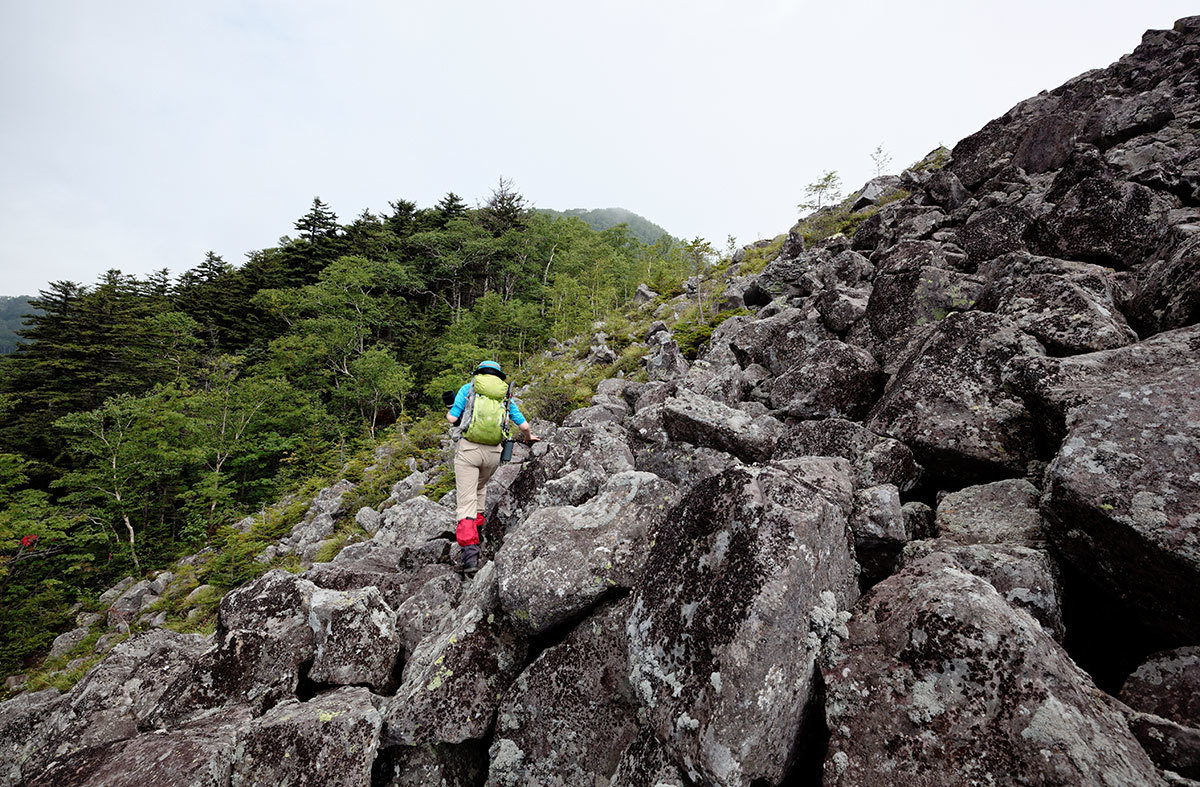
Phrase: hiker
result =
(482, 410)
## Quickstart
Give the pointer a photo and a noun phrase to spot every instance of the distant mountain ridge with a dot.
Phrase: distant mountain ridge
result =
(11, 310)
(601, 219)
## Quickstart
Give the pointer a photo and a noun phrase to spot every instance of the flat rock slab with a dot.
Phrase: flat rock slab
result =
(832, 379)
(696, 419)
(942, 682)
(414, 522)
(563, 560)
(948, 402)
(1123, 498)
(329, 740)
(721, 645)
(569, 717)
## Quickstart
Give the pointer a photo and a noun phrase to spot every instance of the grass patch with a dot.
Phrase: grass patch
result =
(755, 260)
(691, 332)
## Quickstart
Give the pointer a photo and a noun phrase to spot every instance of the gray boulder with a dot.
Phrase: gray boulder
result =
(414, 522)
(422, 610)
(24, 731)
(355, 637)
(262, 639)
(913, 298)
(774, 342)
(1054, 387)
(394, 572)
(942, 682)
(570, 715)
(1109, 222)
(874, 459)
(723, 633)
(197, 754)
(880, 531)
(1122, 500)
(368, 519)
(1002, 512)
(829, 380)
(696, 419)
(455, 679)
(67, 642)
(1168, 290)
(643, 294)
(1068, 306)
(562, 561)
(1167, 684)
(995, 231)
(665, 361)
(1027, 578)
(132, 601)
(948, 402)
(841, 307)
(329, 740)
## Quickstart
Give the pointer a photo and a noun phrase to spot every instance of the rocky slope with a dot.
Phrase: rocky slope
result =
(931, 514)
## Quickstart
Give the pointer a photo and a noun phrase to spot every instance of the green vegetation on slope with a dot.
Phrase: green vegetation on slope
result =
(144, 416)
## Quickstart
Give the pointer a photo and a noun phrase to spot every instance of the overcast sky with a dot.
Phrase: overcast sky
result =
(139, 134)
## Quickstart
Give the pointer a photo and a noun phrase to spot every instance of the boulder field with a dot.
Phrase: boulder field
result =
(873, 534)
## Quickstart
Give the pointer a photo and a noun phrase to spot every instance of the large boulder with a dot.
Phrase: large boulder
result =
(23, 731)
(329, 740)
(562, 561)
(693, 418)
(414, 522)
(1002, 512)
(1026, 577)
(942, 682)
(455, 679)
(1122, 500)
(948, 402)
(874, 459)
(396, 573)
(646, 762)
(1068, 306)
(263, 638)
(1168, 290)
(1054, 387)
(881, 529)
(570, 715)
(196, 754)
(1167, 684)
(919, 297)
(355, 637)
(722, 634)
(1115, 223)
(832, 379)
(774, 342)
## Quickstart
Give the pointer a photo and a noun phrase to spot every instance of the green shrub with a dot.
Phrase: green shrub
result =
(756, 260)
(691, 332)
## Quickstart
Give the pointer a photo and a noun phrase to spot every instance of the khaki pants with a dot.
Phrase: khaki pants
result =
(474, 465)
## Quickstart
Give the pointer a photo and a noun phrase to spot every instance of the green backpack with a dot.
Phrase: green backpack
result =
(486, 413)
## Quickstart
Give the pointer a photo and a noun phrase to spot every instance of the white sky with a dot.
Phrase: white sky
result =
(139, 134)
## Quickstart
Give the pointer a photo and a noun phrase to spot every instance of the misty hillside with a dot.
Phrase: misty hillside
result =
(601, 219)
(11, 310)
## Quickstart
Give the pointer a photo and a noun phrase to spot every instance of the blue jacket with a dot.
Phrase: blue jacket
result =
(460, 404)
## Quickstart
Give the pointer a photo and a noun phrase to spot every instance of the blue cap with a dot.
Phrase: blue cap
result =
(490, 367)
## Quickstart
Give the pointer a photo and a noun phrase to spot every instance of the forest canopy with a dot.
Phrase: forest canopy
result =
(139, 417)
